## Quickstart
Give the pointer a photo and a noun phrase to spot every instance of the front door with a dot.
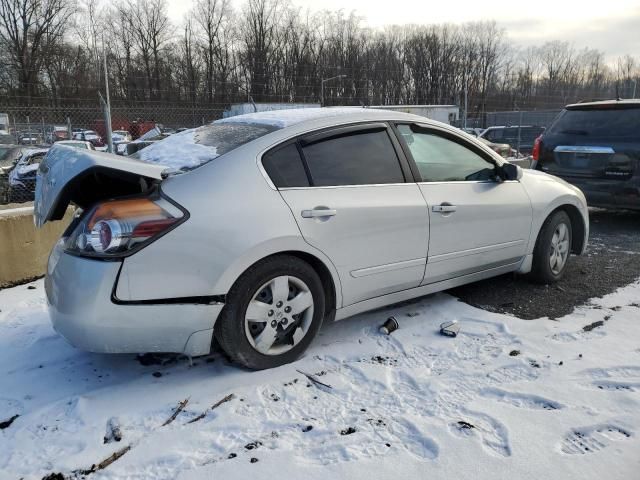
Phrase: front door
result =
(476, 222)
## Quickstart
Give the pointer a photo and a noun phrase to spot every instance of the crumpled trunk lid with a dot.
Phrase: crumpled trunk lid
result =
(83, 177)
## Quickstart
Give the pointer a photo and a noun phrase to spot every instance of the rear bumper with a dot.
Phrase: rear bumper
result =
(608, 193)
(79, 295)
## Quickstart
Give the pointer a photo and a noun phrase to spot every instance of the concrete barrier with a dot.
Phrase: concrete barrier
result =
(24, 249)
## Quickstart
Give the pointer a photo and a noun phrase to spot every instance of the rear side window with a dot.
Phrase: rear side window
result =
(362, 158)
(612, 123)
(284, 167)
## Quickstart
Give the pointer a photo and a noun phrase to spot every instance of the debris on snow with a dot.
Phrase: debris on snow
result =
(450, 328)
(176, 412)
(591, 326)
(113, 433)
(391, 325)
(314, 379)
(226, 399)
(7, 423)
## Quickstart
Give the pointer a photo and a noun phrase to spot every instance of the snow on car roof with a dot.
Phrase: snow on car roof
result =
(286, 118)
(192, 148)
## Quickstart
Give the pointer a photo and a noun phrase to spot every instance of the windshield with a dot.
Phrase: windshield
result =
(611, 123)
(192, 148)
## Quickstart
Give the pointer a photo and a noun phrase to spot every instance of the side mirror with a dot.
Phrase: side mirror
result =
(508, 171)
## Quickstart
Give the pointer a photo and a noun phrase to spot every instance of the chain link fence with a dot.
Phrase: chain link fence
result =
(32, 130)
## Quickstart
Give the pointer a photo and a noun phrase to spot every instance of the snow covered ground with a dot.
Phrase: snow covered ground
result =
(507, 398)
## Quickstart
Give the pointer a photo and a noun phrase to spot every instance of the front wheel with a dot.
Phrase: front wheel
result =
(552, 249)
(272, 313)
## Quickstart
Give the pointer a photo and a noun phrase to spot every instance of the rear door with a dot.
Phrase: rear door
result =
(476, 222)
(358, 205)
(597, 149)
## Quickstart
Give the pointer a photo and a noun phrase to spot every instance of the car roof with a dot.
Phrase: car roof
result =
(321, 117)
(629, 102)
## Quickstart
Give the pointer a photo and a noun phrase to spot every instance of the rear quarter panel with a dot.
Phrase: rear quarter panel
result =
(236, 219)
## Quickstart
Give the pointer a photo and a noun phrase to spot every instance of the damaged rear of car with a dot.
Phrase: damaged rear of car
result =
(122, 208)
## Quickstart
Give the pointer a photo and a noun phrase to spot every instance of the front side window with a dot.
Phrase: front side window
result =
(440, 159)
(360, 158)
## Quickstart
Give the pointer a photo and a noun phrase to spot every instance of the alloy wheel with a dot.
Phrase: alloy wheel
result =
(559, 251)
(279, 315)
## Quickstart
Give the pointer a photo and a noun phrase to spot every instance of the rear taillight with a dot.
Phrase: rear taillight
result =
(119, 227)
(536, 148)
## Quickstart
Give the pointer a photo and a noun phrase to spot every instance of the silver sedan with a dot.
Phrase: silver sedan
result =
(256, 229)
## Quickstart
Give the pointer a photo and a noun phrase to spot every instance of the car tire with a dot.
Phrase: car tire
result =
(245, 333)
(553, 248)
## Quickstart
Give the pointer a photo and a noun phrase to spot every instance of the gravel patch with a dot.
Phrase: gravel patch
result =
(612, 261)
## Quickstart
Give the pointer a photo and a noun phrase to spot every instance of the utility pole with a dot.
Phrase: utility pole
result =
(322, 82)
(466, 100)
(635, 84)
(107, 110)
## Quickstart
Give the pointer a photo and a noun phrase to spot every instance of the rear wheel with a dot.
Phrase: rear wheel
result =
(272, 313)
(552, 249)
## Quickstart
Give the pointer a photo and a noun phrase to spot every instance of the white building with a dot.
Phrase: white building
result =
(441, 113)
(242, 108)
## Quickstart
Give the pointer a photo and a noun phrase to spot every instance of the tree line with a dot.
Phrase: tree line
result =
(53, 52)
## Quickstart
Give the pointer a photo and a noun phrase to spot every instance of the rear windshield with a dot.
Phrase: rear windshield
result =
(613, 123)
(192, 148)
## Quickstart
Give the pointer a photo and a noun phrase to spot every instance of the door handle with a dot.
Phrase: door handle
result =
(318, 213)
(444, 208)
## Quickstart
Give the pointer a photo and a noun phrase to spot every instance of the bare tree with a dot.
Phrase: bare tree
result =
(29, 29)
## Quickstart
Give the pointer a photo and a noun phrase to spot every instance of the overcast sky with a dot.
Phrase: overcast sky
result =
(612, 26)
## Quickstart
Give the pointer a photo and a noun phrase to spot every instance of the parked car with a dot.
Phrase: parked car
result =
(9, 156)
(502, 149)
(121, 136)
(472, 131)
(596, 146)
(58, 133)
(259, 227)
(84, 145)
(528, 135)
(31, 138)
(93, 137)
(7, 139)
(149, 138)
(22, 179)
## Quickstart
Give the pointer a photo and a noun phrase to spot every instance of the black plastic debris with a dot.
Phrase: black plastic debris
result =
(588, 328)
(7, 423)
(391, 325)
(450, 329)
(348, 431)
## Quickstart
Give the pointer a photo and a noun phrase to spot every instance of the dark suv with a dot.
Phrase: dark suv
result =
(596, 146)
(515, 136)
